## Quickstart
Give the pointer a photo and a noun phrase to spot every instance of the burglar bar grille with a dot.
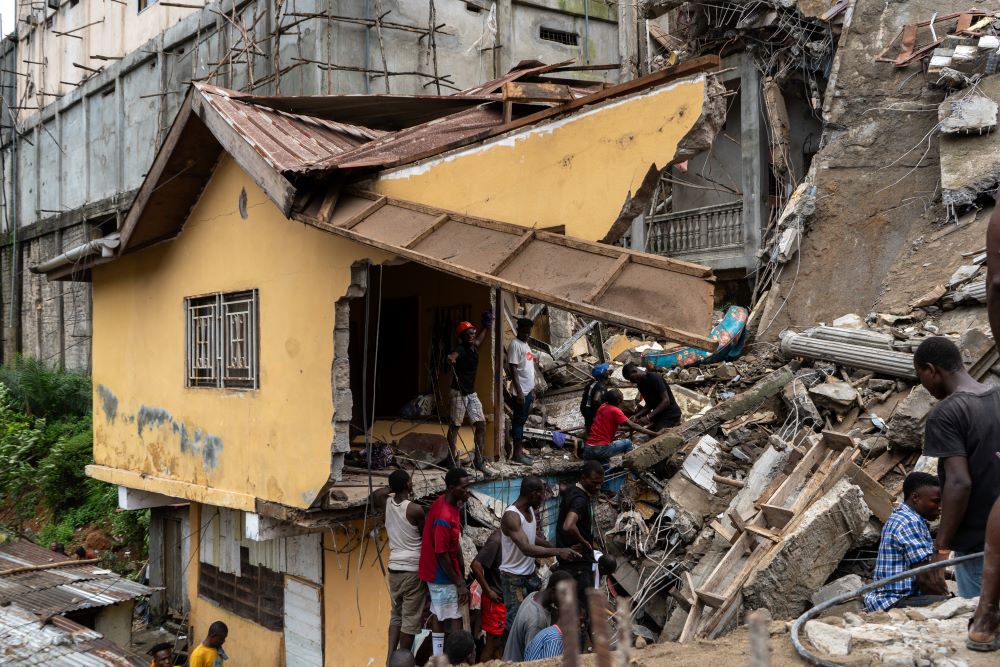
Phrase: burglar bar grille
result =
(711, 228)
(222, 340)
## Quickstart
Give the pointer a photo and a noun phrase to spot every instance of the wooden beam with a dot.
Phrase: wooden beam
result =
(49, 566)
(505, 261)
(776, 517)
(523, 91)
(356, 219)
(434, 226)
(608, 279)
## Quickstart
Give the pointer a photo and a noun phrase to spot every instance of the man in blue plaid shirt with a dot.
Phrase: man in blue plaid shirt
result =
(906, 544)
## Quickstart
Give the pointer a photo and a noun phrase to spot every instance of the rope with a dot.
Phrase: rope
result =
(850, 595)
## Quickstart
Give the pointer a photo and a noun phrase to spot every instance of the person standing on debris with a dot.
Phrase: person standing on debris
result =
(963, 432)
(593, 395)
(575, 527)
(209, 652)
(601, 441)
(522, 543)
(486, 570)
(404, 524)
(984, 632)
(464, 362)
(906, 543)
(534, 615)
(441, 557)
(660, 410)
(521, 363)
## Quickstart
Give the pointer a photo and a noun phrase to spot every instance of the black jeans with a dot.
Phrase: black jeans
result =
(918, 600)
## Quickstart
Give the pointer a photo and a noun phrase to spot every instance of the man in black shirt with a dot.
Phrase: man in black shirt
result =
(963, 432)
(575, 528)
(464, 362)
(660, 410)
(593, 395)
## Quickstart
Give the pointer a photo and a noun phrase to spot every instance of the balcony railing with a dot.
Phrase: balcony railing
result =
(715, 230)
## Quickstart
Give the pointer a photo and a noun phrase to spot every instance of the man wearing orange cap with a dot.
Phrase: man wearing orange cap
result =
(465, 402)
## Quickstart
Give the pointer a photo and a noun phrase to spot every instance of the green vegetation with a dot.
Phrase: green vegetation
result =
(45, 444)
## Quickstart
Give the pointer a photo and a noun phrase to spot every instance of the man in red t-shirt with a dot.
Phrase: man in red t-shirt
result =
(601, 443)
(441, 557)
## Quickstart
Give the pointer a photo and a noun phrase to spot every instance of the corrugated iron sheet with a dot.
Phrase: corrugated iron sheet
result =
(287, 141)
(24, 640)
(63, 589)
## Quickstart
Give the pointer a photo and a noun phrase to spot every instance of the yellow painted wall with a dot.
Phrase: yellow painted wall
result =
(248, 643)
(576, 171)
(272, 443)
(356, 603)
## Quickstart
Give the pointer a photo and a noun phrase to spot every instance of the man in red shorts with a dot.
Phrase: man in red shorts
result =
(486, 570)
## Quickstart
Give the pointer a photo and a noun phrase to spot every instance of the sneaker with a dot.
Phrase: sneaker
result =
(524, 460)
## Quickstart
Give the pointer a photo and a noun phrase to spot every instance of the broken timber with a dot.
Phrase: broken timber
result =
(665, 445)
(595, 279)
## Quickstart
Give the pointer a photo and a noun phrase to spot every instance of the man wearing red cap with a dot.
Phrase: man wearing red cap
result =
(465, 402)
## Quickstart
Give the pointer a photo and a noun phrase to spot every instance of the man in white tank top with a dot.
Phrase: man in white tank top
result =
(404, 524)
(521, 543)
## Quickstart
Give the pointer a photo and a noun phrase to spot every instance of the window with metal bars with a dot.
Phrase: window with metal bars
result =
(222, 337)
(560, 36)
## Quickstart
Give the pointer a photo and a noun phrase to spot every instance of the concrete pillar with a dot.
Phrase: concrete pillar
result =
(639, 233)
(157, 600)
(754, 161)
(503, 55)
(628, 42)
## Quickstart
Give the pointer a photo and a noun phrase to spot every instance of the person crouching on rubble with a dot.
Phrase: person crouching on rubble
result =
(963, 432)
(660, 409)
(906, 544)
(601, 442)
(593, 395)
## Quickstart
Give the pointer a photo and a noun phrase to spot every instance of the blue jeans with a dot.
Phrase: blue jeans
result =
(520, 417)
(514, 589)
(603, 453)
(969, 577)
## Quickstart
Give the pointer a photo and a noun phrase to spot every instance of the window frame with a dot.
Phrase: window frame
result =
(222, 340)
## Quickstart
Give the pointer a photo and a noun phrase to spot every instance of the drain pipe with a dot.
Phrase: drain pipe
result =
(105, 246)
(850, 595)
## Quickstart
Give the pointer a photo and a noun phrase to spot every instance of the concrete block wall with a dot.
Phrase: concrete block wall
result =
(72, 170)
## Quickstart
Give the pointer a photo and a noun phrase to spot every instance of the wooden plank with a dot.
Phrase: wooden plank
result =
(329, 203)
(694, 615)
(607, 250)
(515, 251)
(434, 226)
(524, 91)
(884, 464)
(356, 219)
(763, 532)
(728, 534)
(709, 598)
(837, 441)
(670, 333)
(879, 501)
(776, 517)
(601, 286)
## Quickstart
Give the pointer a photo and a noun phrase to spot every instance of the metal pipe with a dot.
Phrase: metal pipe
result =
(886, 362)
(861, 337)
(105, 246)
(850, 595)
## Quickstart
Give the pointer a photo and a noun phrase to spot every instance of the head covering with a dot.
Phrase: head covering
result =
(600, 370)
(463, 327)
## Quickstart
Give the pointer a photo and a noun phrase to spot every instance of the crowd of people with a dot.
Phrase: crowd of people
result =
(504, 598)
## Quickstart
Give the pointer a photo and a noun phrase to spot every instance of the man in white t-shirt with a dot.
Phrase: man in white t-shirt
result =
(521, 363)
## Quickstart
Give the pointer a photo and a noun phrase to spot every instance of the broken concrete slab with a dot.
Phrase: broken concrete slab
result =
(834, 394)
(829, 639)
(689, 401)
(970, 164)
(701, 463)
(806, 556)
(964, 113)
(845, 584)
(906, 425)
(947, 609)
(767, 466)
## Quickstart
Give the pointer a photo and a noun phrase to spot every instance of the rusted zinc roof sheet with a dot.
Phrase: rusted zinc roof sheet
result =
(60, 589)
(286, 141)
(26, 640)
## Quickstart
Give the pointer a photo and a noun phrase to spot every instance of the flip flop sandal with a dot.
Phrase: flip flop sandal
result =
(984, 647)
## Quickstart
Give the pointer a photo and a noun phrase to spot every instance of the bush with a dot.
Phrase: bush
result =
(46, 392)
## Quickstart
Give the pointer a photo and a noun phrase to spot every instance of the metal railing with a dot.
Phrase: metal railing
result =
(696, 231)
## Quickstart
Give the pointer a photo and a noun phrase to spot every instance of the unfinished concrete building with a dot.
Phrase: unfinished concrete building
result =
(90, 88)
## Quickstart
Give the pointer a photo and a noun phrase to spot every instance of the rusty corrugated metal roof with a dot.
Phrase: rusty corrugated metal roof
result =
(25, 640)
(62, 589)
(285, 140)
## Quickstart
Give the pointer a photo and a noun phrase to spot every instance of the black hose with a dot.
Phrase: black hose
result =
(844, 597)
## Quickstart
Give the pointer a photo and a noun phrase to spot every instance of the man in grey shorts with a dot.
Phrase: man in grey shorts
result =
(404, 524)
(464, 362)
